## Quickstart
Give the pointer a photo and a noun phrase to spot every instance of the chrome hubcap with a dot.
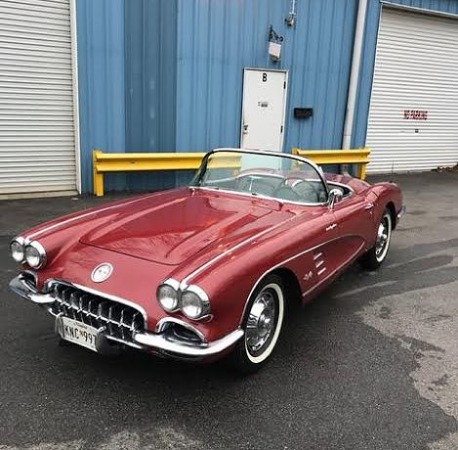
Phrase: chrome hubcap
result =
(261, 322)
(383, 235)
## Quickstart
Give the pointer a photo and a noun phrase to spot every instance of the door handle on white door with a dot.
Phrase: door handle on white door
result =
(245, 128)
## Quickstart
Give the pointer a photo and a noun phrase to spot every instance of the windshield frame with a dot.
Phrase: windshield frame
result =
(197, 179)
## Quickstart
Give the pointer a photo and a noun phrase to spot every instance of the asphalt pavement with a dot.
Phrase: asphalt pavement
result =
(372, 363)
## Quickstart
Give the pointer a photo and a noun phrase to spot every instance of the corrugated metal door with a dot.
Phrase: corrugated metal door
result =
(413, 118)
(37, 119)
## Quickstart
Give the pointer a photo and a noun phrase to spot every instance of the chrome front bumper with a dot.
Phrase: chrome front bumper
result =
(158, 342)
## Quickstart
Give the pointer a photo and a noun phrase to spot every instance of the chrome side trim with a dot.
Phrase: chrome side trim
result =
(159, 342)
(331, 274)
(276, 266)
(230, 250)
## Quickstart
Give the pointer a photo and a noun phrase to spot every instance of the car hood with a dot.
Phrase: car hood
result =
(191, 224)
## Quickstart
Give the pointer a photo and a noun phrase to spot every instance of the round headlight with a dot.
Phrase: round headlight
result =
(168, 297)
(17, 250)
(35, 255)
(194, 303)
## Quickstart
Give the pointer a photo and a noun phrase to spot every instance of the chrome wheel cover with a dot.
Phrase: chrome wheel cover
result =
(383, 238)
(262, 322)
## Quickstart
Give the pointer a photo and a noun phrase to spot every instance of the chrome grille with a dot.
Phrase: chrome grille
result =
(121, 321)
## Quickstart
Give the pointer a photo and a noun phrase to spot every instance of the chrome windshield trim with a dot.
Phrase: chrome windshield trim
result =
(253, 196)
(317, 168)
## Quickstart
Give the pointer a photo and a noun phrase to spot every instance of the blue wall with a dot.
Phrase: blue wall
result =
(217, 39)
(166, 75)
(101, 83)
(150, 69)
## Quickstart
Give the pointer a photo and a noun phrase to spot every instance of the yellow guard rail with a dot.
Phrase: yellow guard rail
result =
(358, 156)
(131, 162)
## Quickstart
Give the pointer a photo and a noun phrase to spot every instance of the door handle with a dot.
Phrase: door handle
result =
(245, 128)
(369, 206)
(331, 227)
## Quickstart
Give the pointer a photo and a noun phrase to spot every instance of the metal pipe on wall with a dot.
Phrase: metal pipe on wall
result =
(354, 75)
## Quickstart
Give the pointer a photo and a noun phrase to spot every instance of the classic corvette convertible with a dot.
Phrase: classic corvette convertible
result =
(210, 269)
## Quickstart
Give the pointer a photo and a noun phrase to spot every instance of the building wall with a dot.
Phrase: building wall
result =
(150, 74)
(368, 56)
(161, 75)
(101, 80)
(218, 39)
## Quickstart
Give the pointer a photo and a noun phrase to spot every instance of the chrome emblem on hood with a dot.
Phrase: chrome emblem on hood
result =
(101, 272)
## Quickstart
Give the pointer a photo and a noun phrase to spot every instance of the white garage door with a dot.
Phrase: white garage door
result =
(37, 118)
(413, 118)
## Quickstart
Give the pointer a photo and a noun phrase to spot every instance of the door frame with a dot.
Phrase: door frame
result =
(285, 100)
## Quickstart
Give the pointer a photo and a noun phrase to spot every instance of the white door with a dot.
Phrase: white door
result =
(37, 107)
(413, 118)
(263, 110)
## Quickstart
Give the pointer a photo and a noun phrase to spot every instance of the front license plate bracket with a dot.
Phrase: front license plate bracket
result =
(84, 335)
(77, 332)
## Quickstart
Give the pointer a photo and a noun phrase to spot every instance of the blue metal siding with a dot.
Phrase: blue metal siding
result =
(150, 84)
(368, 58)
(100, 32)
(161, 75)
(218, 39)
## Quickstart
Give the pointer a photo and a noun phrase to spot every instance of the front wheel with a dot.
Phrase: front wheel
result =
(375, 256)
(262, 325)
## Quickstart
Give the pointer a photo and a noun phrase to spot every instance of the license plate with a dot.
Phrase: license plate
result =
(78, 333)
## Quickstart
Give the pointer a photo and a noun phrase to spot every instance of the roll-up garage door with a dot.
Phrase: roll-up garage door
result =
(37, 114)
(413, 118)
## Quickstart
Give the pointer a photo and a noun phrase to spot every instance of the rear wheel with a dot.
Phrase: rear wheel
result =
(375, 256)
(262, 325)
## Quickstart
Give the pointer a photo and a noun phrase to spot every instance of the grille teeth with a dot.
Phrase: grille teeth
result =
(120, 321)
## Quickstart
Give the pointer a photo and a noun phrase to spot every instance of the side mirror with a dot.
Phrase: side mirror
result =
(335, 195)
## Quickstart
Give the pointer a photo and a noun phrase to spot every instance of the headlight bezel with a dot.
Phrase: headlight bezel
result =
(42, 257)
(180, 292)
(21, 242)
(201, 295)
(175, 286)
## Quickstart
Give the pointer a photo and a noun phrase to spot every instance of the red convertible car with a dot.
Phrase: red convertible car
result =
(207, 270)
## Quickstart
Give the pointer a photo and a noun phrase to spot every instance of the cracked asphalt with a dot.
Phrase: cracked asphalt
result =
(372, 363)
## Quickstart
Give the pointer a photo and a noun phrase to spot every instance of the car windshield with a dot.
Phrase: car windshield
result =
(279, 176)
